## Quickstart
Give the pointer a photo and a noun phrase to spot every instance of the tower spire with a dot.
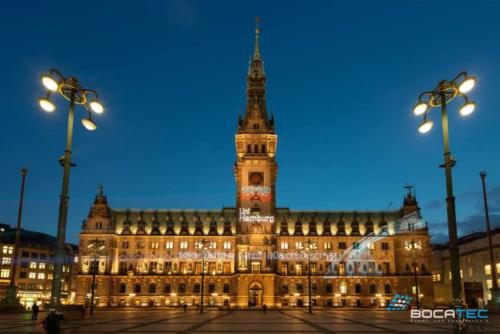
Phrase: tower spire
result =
(256, 53)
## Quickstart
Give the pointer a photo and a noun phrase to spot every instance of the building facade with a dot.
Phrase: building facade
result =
(35, 266)
(475, 268)
(254, 253)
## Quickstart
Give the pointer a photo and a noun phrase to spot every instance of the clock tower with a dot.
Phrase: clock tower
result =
(256, 168)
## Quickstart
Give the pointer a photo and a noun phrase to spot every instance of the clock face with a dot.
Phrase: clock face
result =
(256, 179)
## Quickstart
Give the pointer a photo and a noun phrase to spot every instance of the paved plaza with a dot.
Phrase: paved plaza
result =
(167, 320)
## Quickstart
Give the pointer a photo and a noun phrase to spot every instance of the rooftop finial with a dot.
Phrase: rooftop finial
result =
(256, 53)
(410, 188)
(101, 190)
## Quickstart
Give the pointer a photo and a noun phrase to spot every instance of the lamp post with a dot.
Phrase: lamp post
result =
(495, 291)
(11, 293)
(203, 249)
(309, 247)
(412, 247)
(71, 90)
(95, 247)
(439, 97)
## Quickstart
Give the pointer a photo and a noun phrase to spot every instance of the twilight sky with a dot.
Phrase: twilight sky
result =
(342, 79)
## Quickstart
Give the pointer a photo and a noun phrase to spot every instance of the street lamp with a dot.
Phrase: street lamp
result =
(412, 246)
(439, 97)
(95, 248)
(203, 247)
(11, 292)
(71, 90)
(310, 245)
(495, 291)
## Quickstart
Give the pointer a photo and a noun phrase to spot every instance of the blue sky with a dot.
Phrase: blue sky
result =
(342, 79)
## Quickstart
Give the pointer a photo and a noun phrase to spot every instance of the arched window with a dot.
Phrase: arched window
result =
(226, 288)
(182, 288)
(387, 288)
(284, 288)
(197, 288)
(123, 287)
(137, 288)
(211, 288)
(167, 288)
(373, 288)
(152, 288)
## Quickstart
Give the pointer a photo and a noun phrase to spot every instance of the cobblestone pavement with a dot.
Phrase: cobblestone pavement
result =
(164, 321)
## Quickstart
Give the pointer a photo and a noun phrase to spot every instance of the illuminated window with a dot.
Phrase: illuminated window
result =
(125, 244)
(299, 245)
(489, 283)
(461, 273)
(7, 249)
(49, 276)
(169, 245)
(327, 245)
(184, 245)
(154, 245)
(212, 245)
(227, 244)
(33, 265)
(140, 244)
(6, 260)
(498, 267)
(298, 269)
(41, 275)
(487, 269)
(284, 268)
(32, 275)
(5, 273)
(436, 277)
(41, 265)
(284, 245)
(370, 245)
(255, 267)
(343, 287)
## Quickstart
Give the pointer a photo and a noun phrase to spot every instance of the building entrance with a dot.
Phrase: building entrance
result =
(255, 295)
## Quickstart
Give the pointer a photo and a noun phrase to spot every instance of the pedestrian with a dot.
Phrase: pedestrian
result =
(264, 308)
(35, 309)
(185, 307)
(51, 324)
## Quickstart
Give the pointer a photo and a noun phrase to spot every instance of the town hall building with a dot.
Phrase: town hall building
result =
(254, 253)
